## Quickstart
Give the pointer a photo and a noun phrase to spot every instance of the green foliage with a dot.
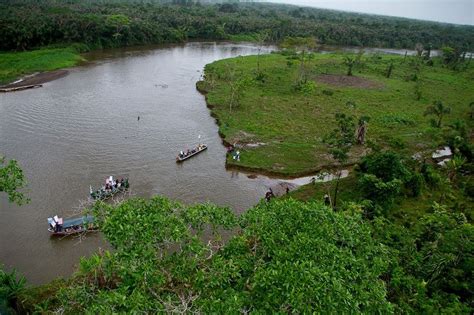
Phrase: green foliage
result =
(379, 191)
(389, 70)
(294, 255)
(446, 244)
(453, 57)
(385, 165)
(382, 176)
(307, 88)
(11, 284)
(301, 45)
(438, 109)
(349, 61)
(341, 138)
(288, 256)
(14, 65)
(430, 264)
(129, 22)
(11, 180)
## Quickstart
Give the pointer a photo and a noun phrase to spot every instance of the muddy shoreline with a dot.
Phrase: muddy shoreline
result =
(36, 79)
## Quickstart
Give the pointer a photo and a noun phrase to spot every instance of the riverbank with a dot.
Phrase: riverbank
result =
(279, 127)
(36, 66)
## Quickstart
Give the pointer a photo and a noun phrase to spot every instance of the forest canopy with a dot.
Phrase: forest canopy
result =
(28, 24)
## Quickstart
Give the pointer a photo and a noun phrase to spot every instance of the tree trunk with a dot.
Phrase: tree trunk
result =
(336, 190)
(302, 66)
(258, 61)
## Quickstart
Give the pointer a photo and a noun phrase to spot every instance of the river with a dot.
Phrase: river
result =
(75, 131)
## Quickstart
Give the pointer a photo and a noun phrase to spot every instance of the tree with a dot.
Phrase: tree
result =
(430, 262)
(339, 142)
(451, 57)
(261, 38)
(389, 69)
(11, 283)
(349, 61)
(454, 166)
(381, 177)
(438, 109)
(236, 83)
(419, 49)
(427, 54)
(117, 22)
(446, 243)
(302, 45)
(418, 92)
(11, 180)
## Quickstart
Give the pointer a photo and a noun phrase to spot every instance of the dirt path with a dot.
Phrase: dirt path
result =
(348, 81)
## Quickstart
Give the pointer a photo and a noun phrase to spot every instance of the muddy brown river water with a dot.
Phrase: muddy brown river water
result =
(75, 131)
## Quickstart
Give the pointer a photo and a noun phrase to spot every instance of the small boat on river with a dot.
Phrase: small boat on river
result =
(190, 153)
(60, 227)
(111, 188)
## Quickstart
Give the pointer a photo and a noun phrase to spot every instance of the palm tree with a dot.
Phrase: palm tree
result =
(453, 167)
(439, 110)
(349, 62)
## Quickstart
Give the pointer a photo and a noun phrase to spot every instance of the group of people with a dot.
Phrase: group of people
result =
(269, 194)
(183, 154)
(111, 184)
(234, 153)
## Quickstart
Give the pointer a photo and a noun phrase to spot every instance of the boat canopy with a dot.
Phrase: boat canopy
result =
(70, 222)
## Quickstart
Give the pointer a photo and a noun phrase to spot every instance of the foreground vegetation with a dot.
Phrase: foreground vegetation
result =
(286, 256)
(279, 108)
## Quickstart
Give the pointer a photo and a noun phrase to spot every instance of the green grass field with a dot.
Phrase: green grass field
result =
(16, 64)
(289, 125)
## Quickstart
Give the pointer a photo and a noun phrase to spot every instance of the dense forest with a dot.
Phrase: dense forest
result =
(28, 24)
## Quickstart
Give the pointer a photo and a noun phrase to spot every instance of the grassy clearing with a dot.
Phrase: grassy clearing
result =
(292, 123)
(16, 64)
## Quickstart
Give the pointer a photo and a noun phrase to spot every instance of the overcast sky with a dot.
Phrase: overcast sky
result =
(451, 11)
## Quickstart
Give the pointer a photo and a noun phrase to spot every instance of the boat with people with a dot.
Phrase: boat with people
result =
(60, 227)
(112, 187)
(189, 153)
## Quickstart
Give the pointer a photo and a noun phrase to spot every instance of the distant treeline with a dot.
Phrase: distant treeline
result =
(28, 24)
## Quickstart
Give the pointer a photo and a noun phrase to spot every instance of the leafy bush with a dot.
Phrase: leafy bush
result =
(10, 285)
(385, 165)
(382, 192)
